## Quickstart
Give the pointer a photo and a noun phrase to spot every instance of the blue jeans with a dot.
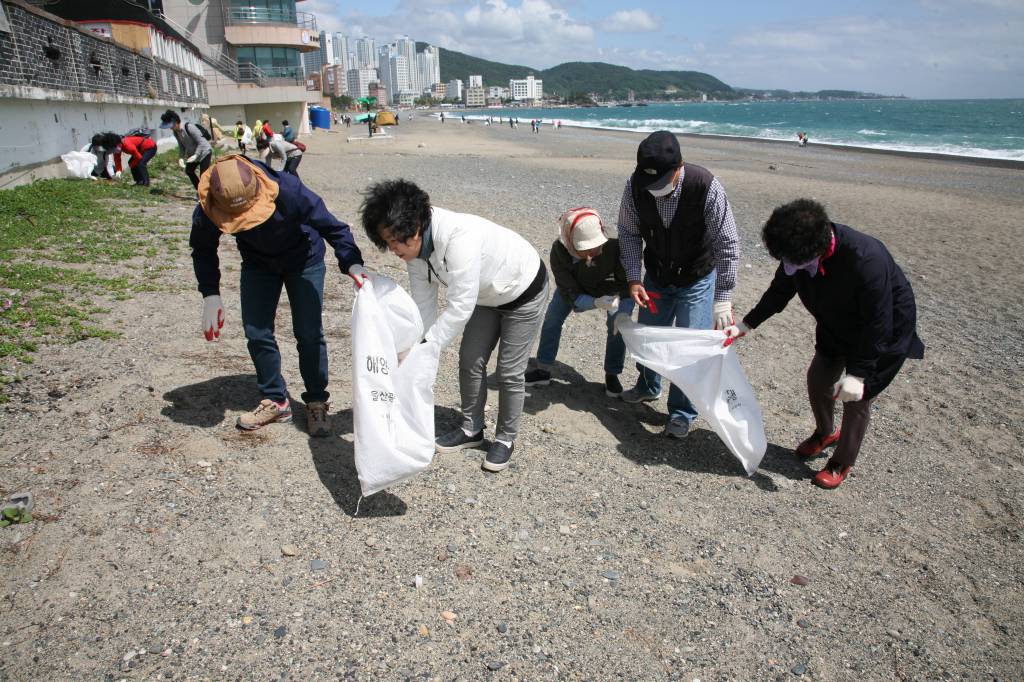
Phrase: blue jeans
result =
(260, 293)
(688, 306)
(551, 334)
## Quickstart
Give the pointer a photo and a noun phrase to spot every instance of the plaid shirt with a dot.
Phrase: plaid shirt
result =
(721, 226)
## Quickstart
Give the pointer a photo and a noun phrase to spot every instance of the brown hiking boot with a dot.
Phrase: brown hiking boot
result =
(267, 412)
(316, 419)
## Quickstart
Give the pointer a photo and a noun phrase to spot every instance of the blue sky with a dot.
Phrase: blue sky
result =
(918, 48)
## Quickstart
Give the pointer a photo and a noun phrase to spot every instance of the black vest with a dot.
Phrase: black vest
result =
(680, 255)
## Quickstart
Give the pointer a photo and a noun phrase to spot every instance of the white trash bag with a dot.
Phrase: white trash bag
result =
(392, 404)
(79, 164)
(710, 376)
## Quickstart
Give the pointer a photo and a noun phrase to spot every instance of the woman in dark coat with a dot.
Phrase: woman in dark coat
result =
(866, 322)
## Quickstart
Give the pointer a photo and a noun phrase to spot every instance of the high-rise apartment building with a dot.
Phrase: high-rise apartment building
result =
(366, 53)
(359, 81)
(475, 82)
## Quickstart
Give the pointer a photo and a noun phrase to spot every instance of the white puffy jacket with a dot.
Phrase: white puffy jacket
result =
(482, 263)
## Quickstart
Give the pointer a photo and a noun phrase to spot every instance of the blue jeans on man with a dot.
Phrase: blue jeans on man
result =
(688, 306)
(558, 311)
(260, 293)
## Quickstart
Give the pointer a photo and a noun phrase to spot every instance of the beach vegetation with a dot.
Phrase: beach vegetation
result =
(70, 249)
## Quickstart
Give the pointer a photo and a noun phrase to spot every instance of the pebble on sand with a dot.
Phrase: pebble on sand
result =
(448, 617)
(289, 550)
(799, 580)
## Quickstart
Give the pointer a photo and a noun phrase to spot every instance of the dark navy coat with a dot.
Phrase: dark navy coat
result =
(863, 305)
(291, 240)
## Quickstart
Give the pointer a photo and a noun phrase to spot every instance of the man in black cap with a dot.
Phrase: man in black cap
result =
(675, 221)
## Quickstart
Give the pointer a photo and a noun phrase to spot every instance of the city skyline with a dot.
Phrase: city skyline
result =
(921, 48)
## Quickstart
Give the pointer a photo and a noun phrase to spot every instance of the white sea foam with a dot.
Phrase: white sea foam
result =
(868, 131)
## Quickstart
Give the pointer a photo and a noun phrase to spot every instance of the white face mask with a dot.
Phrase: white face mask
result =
(663, 192)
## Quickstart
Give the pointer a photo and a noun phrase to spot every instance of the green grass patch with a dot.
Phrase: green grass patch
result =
(55, 238)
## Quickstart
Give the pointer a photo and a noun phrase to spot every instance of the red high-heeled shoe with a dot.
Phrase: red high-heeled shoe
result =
(815, 445)
(830, 477)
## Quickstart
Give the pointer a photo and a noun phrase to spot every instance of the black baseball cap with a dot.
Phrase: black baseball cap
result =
(657, 158)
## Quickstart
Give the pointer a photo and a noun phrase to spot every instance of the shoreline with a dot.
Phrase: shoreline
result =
(996, 162)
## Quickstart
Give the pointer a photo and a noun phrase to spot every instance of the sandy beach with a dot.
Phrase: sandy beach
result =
(605, 551)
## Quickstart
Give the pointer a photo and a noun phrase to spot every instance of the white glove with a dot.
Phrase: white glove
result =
(609, 303)
(117, 175)
(191, 159)
(722, 313)
(735, 331)
(213, 318)
(358, 274)
(181, 162)
(849, 389)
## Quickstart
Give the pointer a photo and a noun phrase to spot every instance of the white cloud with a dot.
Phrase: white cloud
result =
(629, 21)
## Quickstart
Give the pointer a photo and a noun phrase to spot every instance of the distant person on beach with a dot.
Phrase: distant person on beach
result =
(290, 154)
(244, 135)
(676, 222)
(280, 227)
(588, 276)
(497, 287)
(442, 117)
(194, 150)
(865, 316)
(801, 139)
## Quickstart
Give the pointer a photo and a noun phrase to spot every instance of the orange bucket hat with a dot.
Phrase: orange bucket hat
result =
(236, 195)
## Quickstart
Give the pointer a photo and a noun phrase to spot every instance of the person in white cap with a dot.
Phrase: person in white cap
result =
(588, 276)
(280, 227)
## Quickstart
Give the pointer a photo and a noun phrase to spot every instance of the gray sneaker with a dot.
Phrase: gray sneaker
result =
(267, 412)
(677, 427)
(635, 395)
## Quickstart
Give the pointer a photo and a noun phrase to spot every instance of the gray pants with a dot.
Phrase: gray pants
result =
(514, 332)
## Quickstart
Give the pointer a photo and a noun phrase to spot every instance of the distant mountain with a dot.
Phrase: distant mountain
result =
(820, 94)
(607, 80)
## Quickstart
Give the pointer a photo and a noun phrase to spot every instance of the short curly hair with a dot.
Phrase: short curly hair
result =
(798, 231)
(399, 206)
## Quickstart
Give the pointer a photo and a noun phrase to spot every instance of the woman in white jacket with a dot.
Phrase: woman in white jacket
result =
(497, 287)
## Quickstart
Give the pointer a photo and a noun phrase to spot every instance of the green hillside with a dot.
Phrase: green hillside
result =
(608, 80)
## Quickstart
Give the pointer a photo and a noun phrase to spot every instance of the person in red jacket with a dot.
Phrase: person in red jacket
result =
(141, 149)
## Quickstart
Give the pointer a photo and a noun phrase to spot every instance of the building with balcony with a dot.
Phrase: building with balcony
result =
(252, 55)
(85, 68)
(475, 96)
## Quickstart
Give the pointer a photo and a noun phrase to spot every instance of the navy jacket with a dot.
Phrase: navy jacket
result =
(291, 240)
(863, 304)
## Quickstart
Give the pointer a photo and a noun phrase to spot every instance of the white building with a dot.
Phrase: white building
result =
(454, 89)
(340, 55)
(528, 88)
(359, 81)
(476, 82)
(366, 53)
(405, 47)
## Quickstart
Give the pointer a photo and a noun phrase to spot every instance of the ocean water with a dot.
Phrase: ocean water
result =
(978, 128)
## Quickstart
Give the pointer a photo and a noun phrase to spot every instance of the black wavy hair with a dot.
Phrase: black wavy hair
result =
(798, 231)
(170, 116)
(396, 205)
(111, 140)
